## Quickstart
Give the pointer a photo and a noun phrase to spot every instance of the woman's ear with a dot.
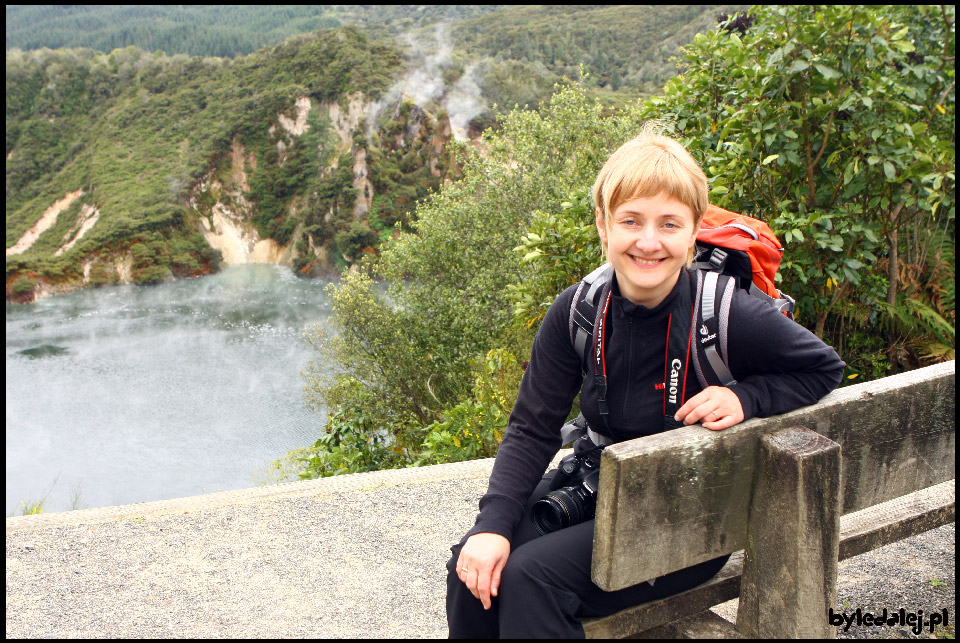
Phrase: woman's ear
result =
(696, 231)
(602, 228)
(692, 248)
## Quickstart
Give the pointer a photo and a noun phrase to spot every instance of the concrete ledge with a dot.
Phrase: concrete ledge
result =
(352, 556)
(357, 556)
(349, 482)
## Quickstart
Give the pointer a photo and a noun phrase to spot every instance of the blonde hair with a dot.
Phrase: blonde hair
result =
(647, 166)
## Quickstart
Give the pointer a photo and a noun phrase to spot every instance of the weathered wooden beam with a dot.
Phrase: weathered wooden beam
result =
(793, 535)
(724, 586)
(897, 434)
(675, 499)
(873, 527)
(897, 519)
(670, 501)
(705, 625)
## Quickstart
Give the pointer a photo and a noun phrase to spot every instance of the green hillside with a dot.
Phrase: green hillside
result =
(522, 49)
(140, 167)
(155, 142)
(206, 30)
(622, 46)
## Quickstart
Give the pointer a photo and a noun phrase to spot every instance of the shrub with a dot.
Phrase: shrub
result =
(408, 347)
(23, 285)
(834, 124)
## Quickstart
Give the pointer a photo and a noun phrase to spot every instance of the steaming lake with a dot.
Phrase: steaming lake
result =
(129, 393)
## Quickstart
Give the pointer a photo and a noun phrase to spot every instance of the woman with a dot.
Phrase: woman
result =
(504, 578)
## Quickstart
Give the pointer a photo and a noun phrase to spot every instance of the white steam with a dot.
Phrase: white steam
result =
(423, 83)
(464, 102)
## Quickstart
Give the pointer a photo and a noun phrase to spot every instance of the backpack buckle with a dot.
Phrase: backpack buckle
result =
(717, 258)
(786, 304)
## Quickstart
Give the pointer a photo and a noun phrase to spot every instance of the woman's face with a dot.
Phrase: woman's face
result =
(647, 242)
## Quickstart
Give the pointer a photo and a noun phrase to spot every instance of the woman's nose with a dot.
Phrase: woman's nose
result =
(648, 240)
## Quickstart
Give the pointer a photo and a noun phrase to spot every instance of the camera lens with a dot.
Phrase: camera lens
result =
(561, 508)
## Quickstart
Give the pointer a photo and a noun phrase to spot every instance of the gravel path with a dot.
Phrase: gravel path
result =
(358, 556)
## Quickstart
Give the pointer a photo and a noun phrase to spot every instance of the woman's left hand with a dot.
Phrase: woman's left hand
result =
(715, 407)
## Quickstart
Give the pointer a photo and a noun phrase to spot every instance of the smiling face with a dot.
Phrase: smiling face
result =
(648, 240)
(650, 196)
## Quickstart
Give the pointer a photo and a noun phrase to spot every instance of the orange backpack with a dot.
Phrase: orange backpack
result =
(744, 247)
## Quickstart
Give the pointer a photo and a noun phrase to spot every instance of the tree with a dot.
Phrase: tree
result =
(408, 351)
(834, 124)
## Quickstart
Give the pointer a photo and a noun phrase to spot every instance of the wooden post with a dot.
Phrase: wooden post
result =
(793, 535)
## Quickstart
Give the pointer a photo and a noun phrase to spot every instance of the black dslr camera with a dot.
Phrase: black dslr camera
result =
(573, 489)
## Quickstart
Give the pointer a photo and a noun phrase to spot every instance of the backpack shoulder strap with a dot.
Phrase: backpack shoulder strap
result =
(585, 310)
(714, 296)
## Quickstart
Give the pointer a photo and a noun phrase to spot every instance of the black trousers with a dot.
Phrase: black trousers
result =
(545, 587)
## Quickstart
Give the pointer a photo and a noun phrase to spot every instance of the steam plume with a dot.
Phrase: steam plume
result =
(423, 83)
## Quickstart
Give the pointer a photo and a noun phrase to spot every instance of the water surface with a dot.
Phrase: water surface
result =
(134, 393)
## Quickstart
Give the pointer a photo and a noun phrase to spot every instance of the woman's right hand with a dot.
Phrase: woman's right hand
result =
(481, 560)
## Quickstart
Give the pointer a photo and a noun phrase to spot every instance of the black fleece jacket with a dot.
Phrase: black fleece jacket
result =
(778, 364)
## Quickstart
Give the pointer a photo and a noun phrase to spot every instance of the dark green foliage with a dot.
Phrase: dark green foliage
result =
(24, 285)
(410, 357)
(357, 237)
(204, 30)
(102, 274)
(836, 125)
(560, 247)
(842, 138)
(623, 45)
(163, 255)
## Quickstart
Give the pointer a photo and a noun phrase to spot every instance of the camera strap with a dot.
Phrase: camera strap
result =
(573, 429)
(598, 438)
(676, 359)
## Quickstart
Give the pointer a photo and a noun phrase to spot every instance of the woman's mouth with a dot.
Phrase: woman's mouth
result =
(647, 263)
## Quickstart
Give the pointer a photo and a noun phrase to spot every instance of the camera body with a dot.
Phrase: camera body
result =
(573, 490)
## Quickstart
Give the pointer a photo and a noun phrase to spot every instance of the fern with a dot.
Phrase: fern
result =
(949, 282)
(925, 330)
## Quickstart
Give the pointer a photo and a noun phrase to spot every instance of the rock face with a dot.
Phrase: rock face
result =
(220, 199)
(121, 263)
(227, 223)
(236, 239)
(362, 184)
(227, 226)
(343, 124)
(85, 221)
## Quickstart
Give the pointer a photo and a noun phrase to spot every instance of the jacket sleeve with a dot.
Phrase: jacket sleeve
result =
(779, 365)
(549, 385)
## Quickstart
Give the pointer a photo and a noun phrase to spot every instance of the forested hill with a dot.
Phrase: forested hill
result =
(619, 45)
(208, 30)
(135, 166)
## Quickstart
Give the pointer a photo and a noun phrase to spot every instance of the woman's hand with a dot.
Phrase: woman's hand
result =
(718, 405)
(481, 560)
